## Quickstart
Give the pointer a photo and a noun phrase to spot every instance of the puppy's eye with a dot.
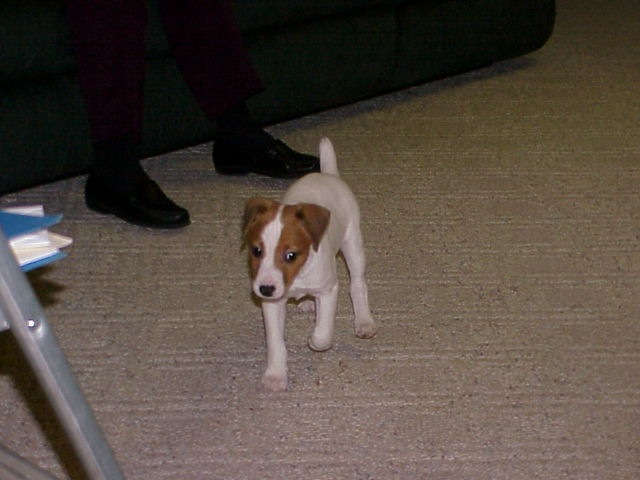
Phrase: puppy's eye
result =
(290, 257)
(256, 252)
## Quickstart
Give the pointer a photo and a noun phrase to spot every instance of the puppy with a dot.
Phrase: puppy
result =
(292, 247)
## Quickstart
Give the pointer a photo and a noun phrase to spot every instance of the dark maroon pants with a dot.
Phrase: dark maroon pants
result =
(109, 46)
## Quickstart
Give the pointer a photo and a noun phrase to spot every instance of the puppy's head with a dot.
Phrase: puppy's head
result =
(279, 239)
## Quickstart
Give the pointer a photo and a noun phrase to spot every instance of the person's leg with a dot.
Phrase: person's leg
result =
(108, 40)
(209, 50)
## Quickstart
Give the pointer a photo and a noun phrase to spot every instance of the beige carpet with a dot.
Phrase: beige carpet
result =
(502, 224)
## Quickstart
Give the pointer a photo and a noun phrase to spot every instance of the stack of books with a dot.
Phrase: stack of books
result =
(31, 242)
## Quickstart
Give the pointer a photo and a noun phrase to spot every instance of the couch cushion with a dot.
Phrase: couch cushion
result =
(254, 15)
(458, 39)
(324, 63)
(35, 37)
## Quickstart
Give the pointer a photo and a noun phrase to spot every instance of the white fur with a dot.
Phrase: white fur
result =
(318, 276)
(269, 274)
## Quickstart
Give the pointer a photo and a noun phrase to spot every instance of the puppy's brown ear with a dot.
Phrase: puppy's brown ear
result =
(257, 211)
(315, 220)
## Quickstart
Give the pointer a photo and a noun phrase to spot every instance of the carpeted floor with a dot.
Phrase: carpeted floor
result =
(501, 214)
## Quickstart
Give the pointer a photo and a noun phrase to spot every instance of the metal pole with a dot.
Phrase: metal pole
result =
(20, 310)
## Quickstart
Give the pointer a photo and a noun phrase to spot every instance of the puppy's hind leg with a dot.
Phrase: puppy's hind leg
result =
(353, 251)
(307, 305)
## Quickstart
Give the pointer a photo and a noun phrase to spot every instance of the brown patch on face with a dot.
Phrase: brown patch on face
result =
(258, 212)
(303, 227)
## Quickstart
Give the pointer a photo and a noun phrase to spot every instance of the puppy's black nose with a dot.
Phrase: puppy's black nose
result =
(267, 290)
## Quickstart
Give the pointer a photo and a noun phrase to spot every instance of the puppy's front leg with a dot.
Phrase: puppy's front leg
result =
(322, 336)
(275, 377)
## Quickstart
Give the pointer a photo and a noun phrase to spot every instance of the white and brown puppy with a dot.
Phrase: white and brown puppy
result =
(292, 248)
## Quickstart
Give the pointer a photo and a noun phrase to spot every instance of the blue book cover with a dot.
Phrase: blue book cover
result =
(13, 224)
(32, 245)
(27, 267)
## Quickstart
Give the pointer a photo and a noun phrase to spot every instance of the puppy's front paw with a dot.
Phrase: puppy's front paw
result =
(318, 344)
(274, 381)
(366, 328)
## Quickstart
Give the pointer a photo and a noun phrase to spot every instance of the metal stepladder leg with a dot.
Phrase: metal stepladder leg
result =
(21, 313)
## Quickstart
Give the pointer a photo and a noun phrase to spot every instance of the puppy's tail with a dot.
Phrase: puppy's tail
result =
(328, 162)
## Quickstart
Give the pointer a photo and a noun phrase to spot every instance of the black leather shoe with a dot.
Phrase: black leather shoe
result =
(146, 205)
(267, 156)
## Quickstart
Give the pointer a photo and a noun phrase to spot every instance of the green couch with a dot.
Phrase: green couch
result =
(311, 55)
